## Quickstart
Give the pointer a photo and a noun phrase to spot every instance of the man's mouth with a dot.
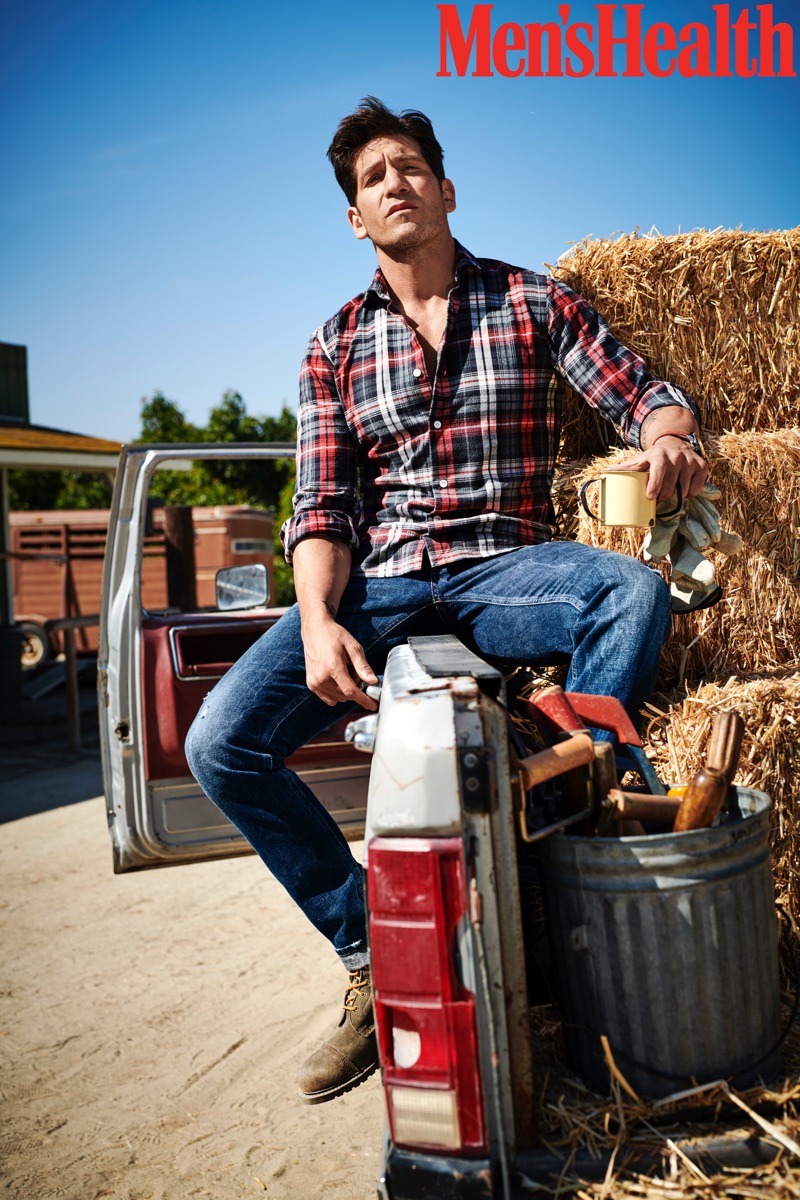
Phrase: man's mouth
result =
(406, 206)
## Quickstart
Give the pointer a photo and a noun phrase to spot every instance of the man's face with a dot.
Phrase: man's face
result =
(400, 204)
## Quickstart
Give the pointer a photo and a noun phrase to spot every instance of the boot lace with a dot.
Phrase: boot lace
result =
(359, 980)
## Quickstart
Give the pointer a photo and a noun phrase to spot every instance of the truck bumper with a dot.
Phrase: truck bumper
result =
(414, 1176)
(410, 1175)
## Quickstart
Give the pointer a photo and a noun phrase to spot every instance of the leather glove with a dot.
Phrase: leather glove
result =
(681, 539)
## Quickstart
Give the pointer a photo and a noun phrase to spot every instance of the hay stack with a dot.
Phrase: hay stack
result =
(756, 627)
(713, 311)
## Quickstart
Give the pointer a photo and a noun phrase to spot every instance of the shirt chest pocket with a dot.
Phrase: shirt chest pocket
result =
(383, 410)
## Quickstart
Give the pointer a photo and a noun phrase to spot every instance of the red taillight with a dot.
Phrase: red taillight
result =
(425, 1014)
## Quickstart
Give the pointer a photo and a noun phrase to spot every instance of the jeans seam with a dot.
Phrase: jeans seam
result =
(529, 602)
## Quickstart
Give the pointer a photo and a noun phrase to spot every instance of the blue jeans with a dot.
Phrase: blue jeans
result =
(605, 612)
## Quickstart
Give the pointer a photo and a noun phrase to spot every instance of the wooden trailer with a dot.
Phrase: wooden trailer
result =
(57, 565)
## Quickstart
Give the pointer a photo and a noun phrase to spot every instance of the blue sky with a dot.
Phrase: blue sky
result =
(168, 219)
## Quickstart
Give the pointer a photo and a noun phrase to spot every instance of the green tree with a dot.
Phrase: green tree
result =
(32, 490)
(36, 491)
(259, 483)
(163, 421)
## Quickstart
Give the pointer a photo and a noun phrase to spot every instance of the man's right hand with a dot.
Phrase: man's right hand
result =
(336, 665)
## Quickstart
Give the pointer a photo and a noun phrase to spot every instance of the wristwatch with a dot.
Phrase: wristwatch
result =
(691, 438)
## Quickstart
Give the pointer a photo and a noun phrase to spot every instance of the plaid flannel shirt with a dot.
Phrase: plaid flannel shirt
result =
(397, 464)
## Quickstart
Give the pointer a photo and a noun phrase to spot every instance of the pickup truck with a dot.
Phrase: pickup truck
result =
(460, 961)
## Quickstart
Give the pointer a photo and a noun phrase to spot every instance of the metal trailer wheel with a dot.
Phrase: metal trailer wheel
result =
(36, 645)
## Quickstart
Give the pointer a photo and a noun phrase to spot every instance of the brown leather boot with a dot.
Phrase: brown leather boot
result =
(350, 1055)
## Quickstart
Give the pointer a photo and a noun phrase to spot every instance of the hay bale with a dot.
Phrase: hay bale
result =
(564, 493)
(714, 311)
(677, 733)
(756, 627)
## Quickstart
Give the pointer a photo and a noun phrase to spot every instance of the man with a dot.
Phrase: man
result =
(427, 434)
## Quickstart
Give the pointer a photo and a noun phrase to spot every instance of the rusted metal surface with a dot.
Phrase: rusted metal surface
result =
(507, 905)
(576, 751)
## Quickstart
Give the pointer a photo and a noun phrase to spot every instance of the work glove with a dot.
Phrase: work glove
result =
(681, 539)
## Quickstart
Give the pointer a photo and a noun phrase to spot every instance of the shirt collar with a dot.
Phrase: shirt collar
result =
(464, 260)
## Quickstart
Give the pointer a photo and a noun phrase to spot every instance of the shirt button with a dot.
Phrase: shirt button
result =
(437, 424)
(416, 373)
(442, 483)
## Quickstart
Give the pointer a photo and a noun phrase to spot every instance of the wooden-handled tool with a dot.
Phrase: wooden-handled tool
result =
(609, 800)
(725, 743)
(702, 800)
(725, 747)
(706, 794)
(624, 806)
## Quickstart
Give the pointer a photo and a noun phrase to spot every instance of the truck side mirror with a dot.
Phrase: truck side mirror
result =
(241, 587)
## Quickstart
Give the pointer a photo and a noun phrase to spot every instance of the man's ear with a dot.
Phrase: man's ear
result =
(356, 224)
(448, 195)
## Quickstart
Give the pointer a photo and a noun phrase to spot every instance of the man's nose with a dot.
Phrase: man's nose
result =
(395, 181)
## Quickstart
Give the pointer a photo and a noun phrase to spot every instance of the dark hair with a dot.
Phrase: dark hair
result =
(372, 119)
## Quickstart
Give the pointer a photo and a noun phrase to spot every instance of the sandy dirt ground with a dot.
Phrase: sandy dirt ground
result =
(151, 1024)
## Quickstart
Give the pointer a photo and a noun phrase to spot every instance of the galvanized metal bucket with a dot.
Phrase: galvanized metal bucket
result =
(668, 945)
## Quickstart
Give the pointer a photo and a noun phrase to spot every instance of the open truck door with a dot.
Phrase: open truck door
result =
(157, 660)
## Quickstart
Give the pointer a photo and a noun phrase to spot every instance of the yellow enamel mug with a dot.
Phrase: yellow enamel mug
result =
(623, 500)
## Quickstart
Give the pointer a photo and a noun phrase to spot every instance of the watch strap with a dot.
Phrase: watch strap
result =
(691, 438)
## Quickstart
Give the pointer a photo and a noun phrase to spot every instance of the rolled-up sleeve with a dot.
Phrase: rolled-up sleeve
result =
(325, 501)
(605, 373)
